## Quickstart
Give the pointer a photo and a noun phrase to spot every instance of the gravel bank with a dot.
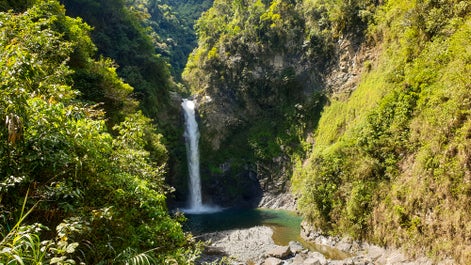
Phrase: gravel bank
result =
(255, 246)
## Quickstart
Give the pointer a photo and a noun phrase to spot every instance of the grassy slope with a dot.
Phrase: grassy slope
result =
(391, 162)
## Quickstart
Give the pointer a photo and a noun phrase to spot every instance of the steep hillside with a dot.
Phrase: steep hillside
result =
(391, 161)
(368, 101)
(260, 74)
(172, 23)
(119, 34)
(81, 168)
(142, 37)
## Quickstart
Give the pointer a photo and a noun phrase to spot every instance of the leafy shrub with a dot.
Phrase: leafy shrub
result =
(103, 190)
(400, 162)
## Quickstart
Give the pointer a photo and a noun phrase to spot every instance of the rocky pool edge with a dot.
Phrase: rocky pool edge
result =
(255, 246)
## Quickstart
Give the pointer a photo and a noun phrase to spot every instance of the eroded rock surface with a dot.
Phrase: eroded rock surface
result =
(254, 246)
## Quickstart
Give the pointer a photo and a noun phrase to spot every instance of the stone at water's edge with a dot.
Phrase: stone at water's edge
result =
(255, 246)
(295, 247)
(243, 244)
(363, 253)
(280, 252)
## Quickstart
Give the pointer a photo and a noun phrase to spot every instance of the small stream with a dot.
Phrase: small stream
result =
(286, 226)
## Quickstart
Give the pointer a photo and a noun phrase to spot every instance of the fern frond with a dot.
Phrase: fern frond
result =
(130, 257)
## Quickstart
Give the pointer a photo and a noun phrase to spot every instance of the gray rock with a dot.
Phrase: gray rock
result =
(345, 244)
(244, 244)
(342, 262)
(392, 257)
(318, 256)
(361, 260)
(426, 261)
(312, 261)
(295, 247)
(374, 252)
(278, 200)
(298, 260)
(280, 252)
(272, 261)
(211, 250)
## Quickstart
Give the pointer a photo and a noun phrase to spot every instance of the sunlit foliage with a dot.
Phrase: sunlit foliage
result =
(101, 188)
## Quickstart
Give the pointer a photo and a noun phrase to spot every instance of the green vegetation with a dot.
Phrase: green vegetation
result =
(142, 37)
(83, 167)
(387, 162)
(122, 38)
(172, 23)
(262, 69)
(134, 31)
(95, 179)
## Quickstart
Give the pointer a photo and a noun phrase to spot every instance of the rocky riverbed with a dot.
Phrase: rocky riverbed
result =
(254, 246)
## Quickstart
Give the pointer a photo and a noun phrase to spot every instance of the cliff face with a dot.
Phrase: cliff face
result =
(359, 108)
(255, 87)
(260, 76)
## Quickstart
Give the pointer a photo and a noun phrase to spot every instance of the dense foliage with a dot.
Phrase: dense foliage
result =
(118, 34)
(142, 37)
(389, 159)
(391, 162)
(256, 72)
(62, 166)
(380, 154)
(172, 23)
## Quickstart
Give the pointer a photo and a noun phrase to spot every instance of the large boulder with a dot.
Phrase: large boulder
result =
(315, 258)
(281, 252)
(295, 247)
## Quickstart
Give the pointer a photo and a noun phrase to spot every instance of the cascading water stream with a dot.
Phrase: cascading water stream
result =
(192, 138)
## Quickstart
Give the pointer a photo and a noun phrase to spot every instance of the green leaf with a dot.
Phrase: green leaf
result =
(71, 247)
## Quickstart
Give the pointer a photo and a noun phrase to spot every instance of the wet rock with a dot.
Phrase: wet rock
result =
(280, 252)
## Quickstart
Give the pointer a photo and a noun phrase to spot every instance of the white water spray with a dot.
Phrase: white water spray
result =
(192, 136)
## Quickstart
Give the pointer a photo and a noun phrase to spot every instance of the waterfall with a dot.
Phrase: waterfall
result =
(192, 136)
